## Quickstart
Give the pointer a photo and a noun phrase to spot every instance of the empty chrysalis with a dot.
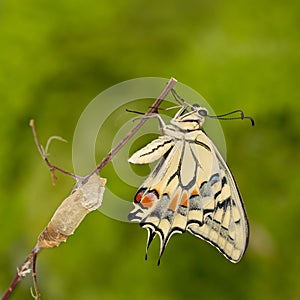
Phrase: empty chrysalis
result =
(68, 216)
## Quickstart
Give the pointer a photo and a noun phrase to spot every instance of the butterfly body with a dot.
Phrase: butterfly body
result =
(191, 188)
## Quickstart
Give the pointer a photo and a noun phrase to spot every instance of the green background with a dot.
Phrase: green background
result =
(56, 56)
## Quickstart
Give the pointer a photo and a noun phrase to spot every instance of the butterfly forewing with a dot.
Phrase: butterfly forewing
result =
(153, 151)
(191, 188)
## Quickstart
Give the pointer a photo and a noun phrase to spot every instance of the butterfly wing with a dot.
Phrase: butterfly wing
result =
(153, 151)
(224, 222)
(154, 186)
(191, 189)
(157, 200)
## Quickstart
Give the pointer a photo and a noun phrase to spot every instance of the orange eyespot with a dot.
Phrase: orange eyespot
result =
(139, 195)
(146, 199)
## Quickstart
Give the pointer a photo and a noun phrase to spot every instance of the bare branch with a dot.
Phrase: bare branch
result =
(23, 271)
(152, 109)
(44, 154)
(37, 294)
(86, 198)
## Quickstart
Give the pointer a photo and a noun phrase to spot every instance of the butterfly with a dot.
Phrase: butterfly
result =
(191, 188)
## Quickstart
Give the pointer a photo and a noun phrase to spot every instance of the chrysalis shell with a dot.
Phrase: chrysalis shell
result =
(86, 198)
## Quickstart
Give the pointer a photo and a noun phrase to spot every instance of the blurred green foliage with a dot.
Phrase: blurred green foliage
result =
(55, 57)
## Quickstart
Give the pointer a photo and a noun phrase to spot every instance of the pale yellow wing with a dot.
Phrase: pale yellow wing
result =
(153, 151)
(192, 189)
(217, 214)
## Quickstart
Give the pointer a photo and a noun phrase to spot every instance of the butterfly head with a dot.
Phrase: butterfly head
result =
(190, 117)
(200, 111)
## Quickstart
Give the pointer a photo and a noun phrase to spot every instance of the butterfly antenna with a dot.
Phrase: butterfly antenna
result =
(240, 117)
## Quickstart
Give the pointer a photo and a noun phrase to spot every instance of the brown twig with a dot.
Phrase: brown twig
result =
(152, 109)
(31, 258)
(21, 272)
(37, 294)
(45, 158)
